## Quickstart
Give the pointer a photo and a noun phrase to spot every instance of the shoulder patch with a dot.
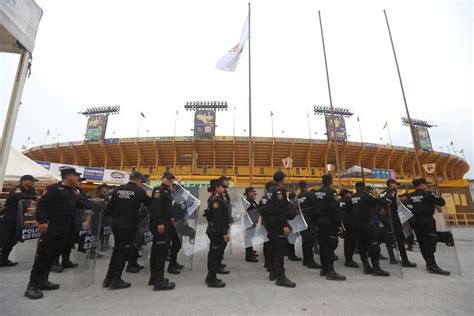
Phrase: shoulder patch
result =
(215, 204)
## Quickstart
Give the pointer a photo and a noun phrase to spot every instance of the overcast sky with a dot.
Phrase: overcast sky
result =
(152, 56)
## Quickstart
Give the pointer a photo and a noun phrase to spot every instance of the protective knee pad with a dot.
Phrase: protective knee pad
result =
(333, 242)
(374, 249)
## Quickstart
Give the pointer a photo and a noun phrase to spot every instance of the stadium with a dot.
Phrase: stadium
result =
(196, 160)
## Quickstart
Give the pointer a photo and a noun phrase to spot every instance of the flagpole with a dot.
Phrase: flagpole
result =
(361, 144)
(250, 111)
(139, 122)
(389, 135)
(412, 130)
(334, 138)
(271, 116)
(175, 119)
(309, 126)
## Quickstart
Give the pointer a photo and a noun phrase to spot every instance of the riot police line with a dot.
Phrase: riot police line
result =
(157, 225)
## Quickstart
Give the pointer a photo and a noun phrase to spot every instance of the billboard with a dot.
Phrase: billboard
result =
(423, 138)
(340, 128)
(96, 125)
(205, 123)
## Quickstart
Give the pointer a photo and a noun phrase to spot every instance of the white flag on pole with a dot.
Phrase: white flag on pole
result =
(230, 60)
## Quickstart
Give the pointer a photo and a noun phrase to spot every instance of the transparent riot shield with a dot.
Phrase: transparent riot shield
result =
(298, 224)
(88, 222)
(106, 237)
(25, 233)
(405, 215)
(446, 253)
(186, 209)
(387, 237)
(143, 238)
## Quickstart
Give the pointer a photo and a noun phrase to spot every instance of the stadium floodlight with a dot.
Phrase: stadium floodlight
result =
(106, 110)
(205, 105)
(417, 123)
(325, 110)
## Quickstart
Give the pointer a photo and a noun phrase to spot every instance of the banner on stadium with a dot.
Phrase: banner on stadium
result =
(205, 123)
(339, 127)
(96, 125)
(423, 139)
(96, 174)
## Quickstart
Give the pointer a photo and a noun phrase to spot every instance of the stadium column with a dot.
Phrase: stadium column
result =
(389, 157)
(402, 161)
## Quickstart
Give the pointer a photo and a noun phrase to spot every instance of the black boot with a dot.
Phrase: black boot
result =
(214, 282)
(351, 264)
(8, 263)
(132, 269)
(172, 269)
(108, 278)
(334, 276)
(437, 270)
(272, 276)
(222, 270)
(57, 268)
(46, 285)
(163, 284)
(367, 268)
(250, 255)
(69, 264)
(283, 281)
(117, 282)
(292, 254)
(405, 262)
(178, 266)
(377, 270)
(33, 292)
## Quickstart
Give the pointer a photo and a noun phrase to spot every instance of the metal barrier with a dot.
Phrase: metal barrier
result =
(461, 219)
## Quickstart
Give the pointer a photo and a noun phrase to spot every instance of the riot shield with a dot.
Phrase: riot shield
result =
(387, 237)
(297, 224)
(88, 222)
(143, 238)
(405, 215)
(185, 212)
(26, 234)
(446, 253)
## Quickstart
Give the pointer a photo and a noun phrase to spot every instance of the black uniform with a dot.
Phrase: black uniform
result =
(124, 208)
(161, 214)
(327, 219)
(422, 204)
(365, 209)
(349, 235)
(218, 217)
(306, 200)
(395, 227)
(56, 207)
(276, 217)
(8, 224)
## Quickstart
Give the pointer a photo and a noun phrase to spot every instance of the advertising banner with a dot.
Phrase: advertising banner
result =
(339, 125)
(96, 127)
(204, 123)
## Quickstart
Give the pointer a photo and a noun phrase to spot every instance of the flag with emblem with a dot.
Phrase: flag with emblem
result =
(429, 168)
(231, 59)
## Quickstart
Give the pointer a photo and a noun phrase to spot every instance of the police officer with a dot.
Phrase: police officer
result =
(218, 219)
(306, 201)
(54, 216)
(161, 225)
(395, 226)
(251, 196)
(104, 198)
(329, 226)
(365, 210)
(8, 224)
(124, 208)
(423, 203)
(276, 215)
(345, 204)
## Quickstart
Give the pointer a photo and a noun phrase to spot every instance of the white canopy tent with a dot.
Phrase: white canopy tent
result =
(356, 171)
(19, 21)
(19, 165)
